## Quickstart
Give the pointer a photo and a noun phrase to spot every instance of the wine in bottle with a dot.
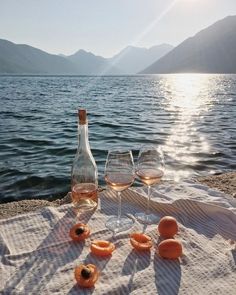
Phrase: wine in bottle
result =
(84, 175)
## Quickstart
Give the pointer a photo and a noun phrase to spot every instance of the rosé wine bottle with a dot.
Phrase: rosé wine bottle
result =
(84, 175)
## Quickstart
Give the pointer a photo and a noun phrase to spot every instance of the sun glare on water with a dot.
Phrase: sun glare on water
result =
(188, 96)
(187, 100)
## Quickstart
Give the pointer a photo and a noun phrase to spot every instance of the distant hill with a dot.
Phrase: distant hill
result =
(212, 50)
(24, 59)
(132, 59)
(89, 64)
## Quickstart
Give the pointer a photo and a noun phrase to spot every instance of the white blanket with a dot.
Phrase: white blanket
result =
(38, 257)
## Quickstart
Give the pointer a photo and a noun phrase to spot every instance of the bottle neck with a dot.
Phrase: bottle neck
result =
(83, 143)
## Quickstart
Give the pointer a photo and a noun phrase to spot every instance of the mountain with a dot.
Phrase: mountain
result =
(89, 64)
(212, 50)
(132, 59)
(24, 59)
(129, 61)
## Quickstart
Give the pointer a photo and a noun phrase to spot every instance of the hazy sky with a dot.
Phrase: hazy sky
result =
(106, 26)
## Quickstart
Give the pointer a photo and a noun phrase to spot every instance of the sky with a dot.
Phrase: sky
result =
(105, 27)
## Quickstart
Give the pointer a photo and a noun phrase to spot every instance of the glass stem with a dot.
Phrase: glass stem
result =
(148, 200)
(119, 207)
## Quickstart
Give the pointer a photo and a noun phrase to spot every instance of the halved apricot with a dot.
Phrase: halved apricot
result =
(141, 241)
(102, 248)
(86, 275)
(79, 232)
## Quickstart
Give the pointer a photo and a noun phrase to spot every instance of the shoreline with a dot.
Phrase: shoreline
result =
(224, 182)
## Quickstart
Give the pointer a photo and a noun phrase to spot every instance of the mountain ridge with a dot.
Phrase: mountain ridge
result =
(211, 50)
(132, 59)
(25, 59)
(89, 63)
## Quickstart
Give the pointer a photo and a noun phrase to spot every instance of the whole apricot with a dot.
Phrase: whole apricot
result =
(170, 249)
(168, 227)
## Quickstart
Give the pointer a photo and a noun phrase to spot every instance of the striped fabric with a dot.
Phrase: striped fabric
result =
(38, 257)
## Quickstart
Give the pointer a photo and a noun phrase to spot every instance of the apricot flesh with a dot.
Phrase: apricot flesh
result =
(102, 248)
(141, 241)
(79, 232)
(86, 275)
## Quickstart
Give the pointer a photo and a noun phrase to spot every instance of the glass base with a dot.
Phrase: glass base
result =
(84, 205)
(147, 218)
(116, 225)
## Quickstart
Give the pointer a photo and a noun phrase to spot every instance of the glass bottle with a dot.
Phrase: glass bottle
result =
(84, 175)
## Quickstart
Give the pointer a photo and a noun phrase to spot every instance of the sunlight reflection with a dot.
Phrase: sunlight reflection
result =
(186, 99)
(187, 89)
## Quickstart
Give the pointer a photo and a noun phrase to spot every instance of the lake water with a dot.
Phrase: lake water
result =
(191, 116)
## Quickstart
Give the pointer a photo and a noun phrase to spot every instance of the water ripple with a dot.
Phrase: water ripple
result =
(191, 116)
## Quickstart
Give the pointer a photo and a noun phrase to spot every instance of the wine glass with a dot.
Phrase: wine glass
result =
(149, 169)
(119, 175)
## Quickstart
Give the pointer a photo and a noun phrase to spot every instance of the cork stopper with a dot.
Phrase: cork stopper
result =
(82, 117)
